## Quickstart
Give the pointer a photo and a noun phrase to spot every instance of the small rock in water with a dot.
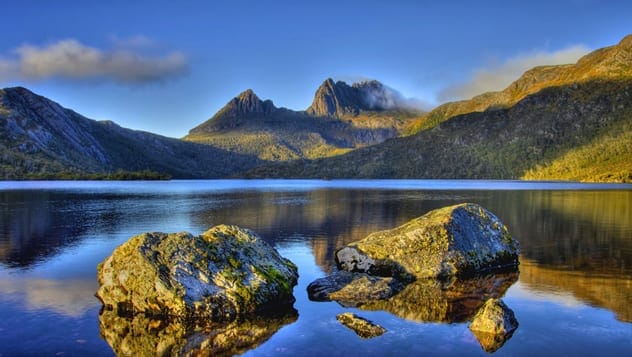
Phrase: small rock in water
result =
(493, 324)
(363, 327)
(224, 273)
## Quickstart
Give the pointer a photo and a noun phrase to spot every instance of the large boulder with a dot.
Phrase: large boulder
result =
(459, 240)
(219, 275)
(493, 324)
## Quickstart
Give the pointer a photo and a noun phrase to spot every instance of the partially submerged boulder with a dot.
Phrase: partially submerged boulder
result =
(361, 326)
(493, 324)
(464, 239)
(219, 275)
(352, 289)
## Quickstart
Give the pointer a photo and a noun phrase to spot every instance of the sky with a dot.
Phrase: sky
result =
(168, 66)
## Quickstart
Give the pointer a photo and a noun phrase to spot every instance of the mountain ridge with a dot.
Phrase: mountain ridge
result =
(39, 136)
(569, 121)
(610, 62)
(495, 144)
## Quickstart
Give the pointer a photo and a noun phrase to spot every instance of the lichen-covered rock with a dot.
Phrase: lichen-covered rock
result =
(457, 240)
(362, 327)
(223, 273)
(493, 324)
(353, 289)
(140, 335)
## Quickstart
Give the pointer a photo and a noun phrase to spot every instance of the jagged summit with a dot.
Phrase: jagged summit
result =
(244, 107)
(337, 99)
(246, 103)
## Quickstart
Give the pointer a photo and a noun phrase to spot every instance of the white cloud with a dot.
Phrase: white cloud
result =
(70, 59)
(68, 297)
(385, 97)
(497, 77)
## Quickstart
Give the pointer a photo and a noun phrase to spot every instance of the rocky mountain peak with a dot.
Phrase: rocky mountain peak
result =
(246, 106)
(246, 103)
(14, 95)
(336, 99)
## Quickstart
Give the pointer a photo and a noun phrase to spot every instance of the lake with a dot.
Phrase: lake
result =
(573, 295)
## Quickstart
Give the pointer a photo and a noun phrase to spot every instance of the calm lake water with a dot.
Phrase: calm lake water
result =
(573, 295)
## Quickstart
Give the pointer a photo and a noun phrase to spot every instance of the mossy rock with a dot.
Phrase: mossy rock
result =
(460, 240)
(224, 273)
(493, 325)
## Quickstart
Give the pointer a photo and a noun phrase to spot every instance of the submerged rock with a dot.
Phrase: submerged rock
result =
(493, 324)
(460, 240)
(219, 275)
(362, 327)
(140, 335)
(353, 289)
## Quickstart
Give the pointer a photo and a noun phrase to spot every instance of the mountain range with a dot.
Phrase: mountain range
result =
(341, 118)
(40, 138)
(555, 122)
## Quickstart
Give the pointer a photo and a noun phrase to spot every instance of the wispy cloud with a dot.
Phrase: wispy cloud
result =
(497, 77)
(382, 96)
(73, 60)
(385, 97)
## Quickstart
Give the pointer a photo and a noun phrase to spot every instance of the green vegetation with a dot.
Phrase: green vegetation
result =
(605, 159)
(610, 63)
(286, 135)
(119, 175)
(496, 144)
(569, 122)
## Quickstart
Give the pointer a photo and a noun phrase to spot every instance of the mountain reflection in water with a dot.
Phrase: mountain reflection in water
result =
(574, 244)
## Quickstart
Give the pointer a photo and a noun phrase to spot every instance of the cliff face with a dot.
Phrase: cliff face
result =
(338, 99)
(33, 125)
(335, 99)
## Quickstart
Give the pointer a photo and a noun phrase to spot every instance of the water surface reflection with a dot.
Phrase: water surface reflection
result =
(142, 336)
(575, 244)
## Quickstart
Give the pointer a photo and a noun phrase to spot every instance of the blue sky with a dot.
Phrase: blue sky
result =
(167, 66)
